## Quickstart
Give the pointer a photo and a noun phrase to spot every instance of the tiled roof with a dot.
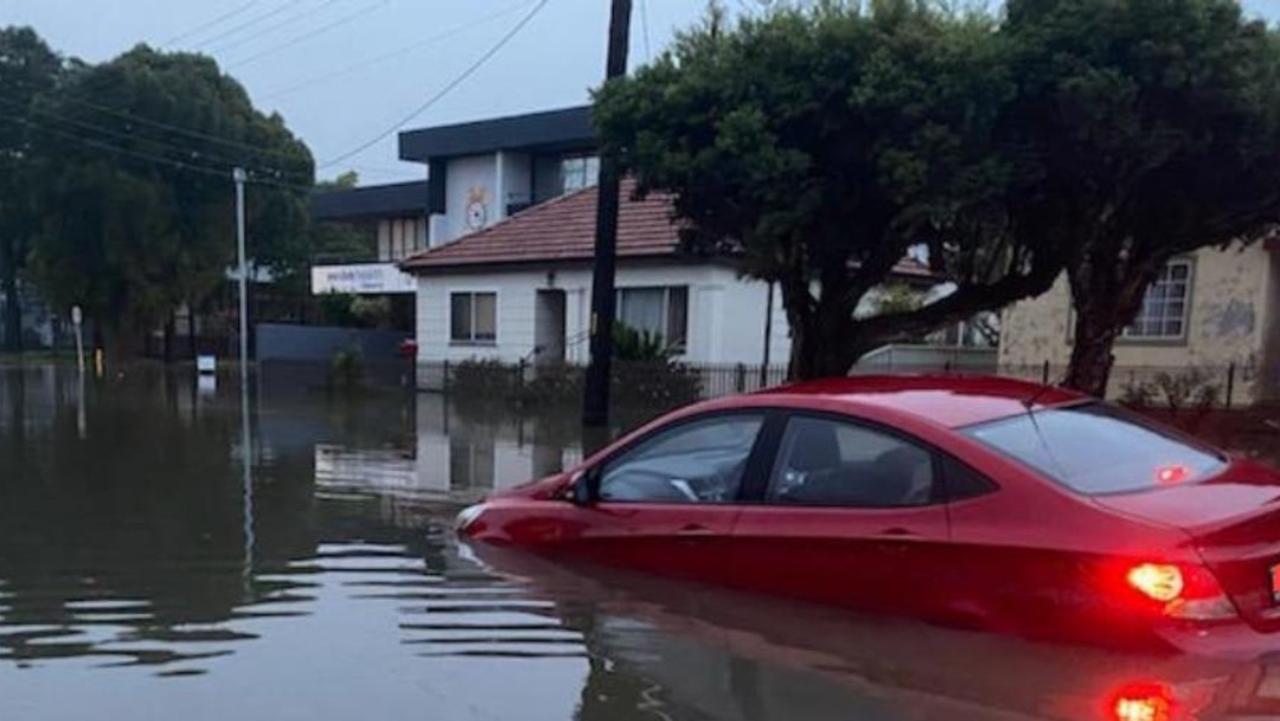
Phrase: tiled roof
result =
(564, 229)
(560, 229)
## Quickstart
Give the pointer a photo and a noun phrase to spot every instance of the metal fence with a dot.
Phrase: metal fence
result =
(1216, 386)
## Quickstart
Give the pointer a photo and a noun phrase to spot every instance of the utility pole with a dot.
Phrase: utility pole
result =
(595, 399)
(246, 441)
(239, 176)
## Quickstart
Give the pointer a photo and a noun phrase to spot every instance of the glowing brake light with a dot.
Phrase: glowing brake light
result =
(1183, 591)
(1171, 474)
(1158, 581)
(1144, 702)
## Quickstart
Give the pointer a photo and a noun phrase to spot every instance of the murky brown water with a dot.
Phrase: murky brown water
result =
(144, 575)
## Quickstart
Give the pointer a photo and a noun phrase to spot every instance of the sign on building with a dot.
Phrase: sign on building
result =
(365, 278)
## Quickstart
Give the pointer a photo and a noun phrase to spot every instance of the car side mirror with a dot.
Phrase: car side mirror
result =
(584, 490)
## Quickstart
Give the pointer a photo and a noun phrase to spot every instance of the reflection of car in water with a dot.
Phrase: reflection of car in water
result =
(665, 649)
(982, 501)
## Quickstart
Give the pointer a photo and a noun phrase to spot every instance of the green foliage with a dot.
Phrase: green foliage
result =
(639, 346)
(147, 235)
(346, 370)
(27, 68)
(820, 144)
(1153, 129)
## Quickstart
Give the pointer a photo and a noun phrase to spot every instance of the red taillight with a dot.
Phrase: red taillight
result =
(1183, 591)
(1158, 581)
(1143, 702)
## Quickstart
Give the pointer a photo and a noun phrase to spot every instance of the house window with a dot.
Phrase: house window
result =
(662, 311)
(473, 317)
(1165, 305)
(578, 172)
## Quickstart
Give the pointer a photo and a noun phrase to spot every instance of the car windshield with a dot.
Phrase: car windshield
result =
(1096, 448)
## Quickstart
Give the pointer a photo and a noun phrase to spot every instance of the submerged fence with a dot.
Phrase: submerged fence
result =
(1173, 387)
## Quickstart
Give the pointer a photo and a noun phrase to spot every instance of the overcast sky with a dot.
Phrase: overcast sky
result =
(344, 71)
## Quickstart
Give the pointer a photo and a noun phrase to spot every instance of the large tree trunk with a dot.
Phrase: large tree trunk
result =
(1105, 298)
(12, 302)
(1091, 357)
(819, 334)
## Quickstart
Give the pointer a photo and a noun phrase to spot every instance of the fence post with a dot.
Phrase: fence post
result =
(1044, 373)
(444, 377)
(1231, 383)
(740, 377)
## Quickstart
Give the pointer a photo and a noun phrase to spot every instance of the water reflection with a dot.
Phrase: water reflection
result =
(143, 574)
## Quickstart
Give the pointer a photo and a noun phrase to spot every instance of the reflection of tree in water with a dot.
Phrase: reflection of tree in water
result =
(135, 527)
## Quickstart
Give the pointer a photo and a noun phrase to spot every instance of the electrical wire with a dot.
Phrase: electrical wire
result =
(210, 23)
(461, 78)
(192, 155)
(181, 130)
(247, 24)
(223, 173)
(287, 21)
(405, 49)
(368, 9)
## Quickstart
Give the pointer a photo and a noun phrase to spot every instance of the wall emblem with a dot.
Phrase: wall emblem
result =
(477, 208)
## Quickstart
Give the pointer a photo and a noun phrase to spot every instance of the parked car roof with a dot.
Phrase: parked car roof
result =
(952, 400)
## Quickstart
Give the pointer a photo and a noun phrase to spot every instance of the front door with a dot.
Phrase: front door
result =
(667, 503)
(850, 514)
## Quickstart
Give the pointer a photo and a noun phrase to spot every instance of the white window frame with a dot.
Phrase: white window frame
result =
(683, 346)
(1128, 334)
(472, 340)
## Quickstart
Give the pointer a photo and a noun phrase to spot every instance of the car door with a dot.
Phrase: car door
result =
(667, 502)
(849, 513)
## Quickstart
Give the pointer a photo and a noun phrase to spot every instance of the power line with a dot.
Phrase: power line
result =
(461, 78)
(125, 135)
(455, 30)
(307, 36)
(178, 164)
(211, 23)
(190, 132)
(247, 24)
(287, 21)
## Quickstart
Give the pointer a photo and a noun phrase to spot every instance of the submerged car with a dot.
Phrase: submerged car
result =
(979, 500)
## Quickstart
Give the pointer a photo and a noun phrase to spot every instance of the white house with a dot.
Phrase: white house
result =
(521, 290)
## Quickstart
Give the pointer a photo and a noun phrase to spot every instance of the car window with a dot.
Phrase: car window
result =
(697, 462)
(1098, 448)
(825, 462)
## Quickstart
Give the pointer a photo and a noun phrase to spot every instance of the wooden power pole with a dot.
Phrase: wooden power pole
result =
(595, 397)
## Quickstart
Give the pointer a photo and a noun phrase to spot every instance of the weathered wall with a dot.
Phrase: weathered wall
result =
(1232, 304)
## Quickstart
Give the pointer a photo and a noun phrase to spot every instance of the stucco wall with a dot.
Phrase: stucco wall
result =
(725, 317)
(1232, 304)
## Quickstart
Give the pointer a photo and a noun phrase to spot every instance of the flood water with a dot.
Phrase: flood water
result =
(147, 572)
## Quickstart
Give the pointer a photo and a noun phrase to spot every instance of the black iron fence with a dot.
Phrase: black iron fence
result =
(1174, 387)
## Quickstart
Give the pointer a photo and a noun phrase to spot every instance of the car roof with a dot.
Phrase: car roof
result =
(951, 400)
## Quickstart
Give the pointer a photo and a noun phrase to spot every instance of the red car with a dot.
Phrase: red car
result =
(977, 500)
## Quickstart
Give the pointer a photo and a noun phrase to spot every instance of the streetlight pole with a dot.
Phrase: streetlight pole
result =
(239, 176)
(246, 441)
(595, 397)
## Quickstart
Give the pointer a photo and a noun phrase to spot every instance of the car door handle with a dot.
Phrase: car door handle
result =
(694, 530)
(896, 533)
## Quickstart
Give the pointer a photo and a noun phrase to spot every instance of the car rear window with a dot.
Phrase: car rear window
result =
(1097, 449)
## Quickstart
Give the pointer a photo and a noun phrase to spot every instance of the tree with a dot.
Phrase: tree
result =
(27, 68)
(142, 149)
(819, 145)
(341, 242)
(1154, 127)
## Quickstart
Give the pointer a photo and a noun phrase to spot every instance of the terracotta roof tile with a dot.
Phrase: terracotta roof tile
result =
(563, 229)
(560, 229)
